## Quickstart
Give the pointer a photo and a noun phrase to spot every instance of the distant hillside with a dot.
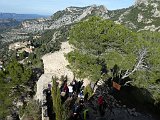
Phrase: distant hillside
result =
(144, 15)
(12, 20)
(8, 23)
(19, 17)
(67, 16)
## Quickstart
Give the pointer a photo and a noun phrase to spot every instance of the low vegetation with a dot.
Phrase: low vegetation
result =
(103, 47)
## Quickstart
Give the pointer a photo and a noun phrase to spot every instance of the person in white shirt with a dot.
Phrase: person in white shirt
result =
(70, 87)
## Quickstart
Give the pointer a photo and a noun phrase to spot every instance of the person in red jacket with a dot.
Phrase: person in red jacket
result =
(100, 105)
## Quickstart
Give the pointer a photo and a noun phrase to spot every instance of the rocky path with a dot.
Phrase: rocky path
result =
(54, 65)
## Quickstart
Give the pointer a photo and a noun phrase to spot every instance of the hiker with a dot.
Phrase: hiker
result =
(86, 97)
(64, 93)
(81, 104)
(92, 84)
(76, 112)
(49, 86)
(78, 86)
(70, 87)
(100, 105)
(63, 84)
(74, 84)
(81, 94)
(65, 88)
(48, 92)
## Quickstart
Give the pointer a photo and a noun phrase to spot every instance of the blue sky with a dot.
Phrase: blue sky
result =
(48, 7)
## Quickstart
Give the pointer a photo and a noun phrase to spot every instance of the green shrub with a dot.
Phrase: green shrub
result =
(32, 109)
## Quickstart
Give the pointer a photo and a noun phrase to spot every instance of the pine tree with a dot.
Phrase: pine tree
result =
(54, 92)
(57, 106)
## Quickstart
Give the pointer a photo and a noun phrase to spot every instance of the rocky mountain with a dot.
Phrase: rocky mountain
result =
(68, 16)
(144, 15)
(11, 20)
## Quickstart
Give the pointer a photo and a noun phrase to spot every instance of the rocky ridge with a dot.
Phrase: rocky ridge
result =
(143, 15)
(68, 16)
(61, 18)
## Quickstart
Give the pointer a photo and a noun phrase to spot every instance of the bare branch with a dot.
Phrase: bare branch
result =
(139, 65)
(127, 83)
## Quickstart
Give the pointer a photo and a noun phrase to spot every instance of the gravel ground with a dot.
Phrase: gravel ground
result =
(55, 65)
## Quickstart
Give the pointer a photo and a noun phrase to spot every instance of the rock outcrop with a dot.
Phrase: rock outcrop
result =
(144, 15)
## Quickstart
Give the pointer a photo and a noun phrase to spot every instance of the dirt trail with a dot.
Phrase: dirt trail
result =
(54, 65)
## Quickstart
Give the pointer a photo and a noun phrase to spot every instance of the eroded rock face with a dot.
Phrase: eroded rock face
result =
(151, 28)
(61, 18)
(144, 15)
(140, 16)
(65, 17)
(35, 25)
(156, 10)
(138, 2)
(146, 2)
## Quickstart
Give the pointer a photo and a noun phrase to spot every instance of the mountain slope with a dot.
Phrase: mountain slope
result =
(8, 23)
(68, 16)
(144, 15)
(11, 20)
(65, 17)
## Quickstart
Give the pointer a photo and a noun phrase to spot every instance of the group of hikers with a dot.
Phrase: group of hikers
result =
(75, 90)
(80, 110)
